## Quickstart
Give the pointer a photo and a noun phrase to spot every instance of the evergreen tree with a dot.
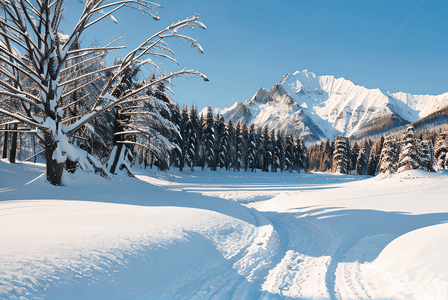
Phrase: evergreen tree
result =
(221, 142)
(274, 151)
(239, 145)
(185, 132)
(280, 150)
(409, 156)
(267, 150)
(196, 131)
(200, 161)
(374, 157)
(441, 151)
(354, 152)
(426, 156)
(224, 153)
(251, 148)
(341, 155)
(289, 153)
(232, 136)
(209, 139)
(389, 157)
(362, 161)
(326, 164)
(260, 148)
(300, 155)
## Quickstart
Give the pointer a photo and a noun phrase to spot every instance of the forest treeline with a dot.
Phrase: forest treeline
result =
(187, 140)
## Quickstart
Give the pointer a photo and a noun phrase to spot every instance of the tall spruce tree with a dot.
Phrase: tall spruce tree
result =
(209, 139)
(251, 148)
(289, 153)
(441, 152)
(267, 150)
(239, 146)
(362, 161)
(389, 156)
(409, 156)
(326, 164)
(341, 155)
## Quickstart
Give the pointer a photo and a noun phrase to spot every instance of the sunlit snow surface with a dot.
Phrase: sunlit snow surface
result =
(223, 235)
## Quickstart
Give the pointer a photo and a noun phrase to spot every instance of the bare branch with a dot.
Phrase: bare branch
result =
(86, 75)
(94, 114)
(104, 16)
(96, 49)
(22, 119)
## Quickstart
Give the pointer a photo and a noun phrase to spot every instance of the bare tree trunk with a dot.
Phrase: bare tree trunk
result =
(113, 167)
(54, 168)
(13, 152)
(34, 147)
(5, 143)
(20, 147)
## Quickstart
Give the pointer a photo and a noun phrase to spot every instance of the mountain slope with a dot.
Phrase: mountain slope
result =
(318, 107)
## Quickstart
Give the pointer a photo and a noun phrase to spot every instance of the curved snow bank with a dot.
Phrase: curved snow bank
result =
(259, 254)
(413, 266)
(50, 249)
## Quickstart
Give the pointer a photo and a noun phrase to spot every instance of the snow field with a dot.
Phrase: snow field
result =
(223, 235)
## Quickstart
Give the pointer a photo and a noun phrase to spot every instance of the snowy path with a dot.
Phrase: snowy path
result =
(223, 235)
(331, 228)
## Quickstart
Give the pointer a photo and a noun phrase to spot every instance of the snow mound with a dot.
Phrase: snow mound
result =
(413, 266)
(48, 246)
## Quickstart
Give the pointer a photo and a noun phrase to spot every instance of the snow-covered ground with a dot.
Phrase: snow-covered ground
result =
(223, 235)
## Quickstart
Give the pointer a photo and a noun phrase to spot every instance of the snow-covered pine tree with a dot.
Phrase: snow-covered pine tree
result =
(300, 155)
(341, 155)
(185, 131)
(219, 136)
(251, 147)
(389, 156)
(275, 151)
(354, 152)
(362, 161)
(409, 158)
(267, 150)
(426, 156)
(209, 139)
(232, 145)
(260, 149)
(289, 153)
(374, 157)
(196, 129)
(239, 145)
(440, 152)
(280, 151)
(224, 153)
(326, 162)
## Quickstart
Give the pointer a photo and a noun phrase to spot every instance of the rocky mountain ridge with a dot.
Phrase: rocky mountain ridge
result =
(319, 107)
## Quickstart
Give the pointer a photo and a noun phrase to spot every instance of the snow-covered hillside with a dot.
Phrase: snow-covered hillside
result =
(223, 235)
(317, 107)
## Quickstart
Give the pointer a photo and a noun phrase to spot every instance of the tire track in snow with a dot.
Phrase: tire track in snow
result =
(307, 247)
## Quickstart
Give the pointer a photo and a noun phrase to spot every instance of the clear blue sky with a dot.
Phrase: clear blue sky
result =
(392, 45)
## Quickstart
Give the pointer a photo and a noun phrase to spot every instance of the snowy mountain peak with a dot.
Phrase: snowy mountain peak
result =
(262, 96)
(302, 82)
(318, 107)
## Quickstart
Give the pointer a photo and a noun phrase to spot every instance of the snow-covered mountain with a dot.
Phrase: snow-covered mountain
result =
(318, 107)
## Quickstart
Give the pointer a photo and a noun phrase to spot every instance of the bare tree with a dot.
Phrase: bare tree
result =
(31, 46)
